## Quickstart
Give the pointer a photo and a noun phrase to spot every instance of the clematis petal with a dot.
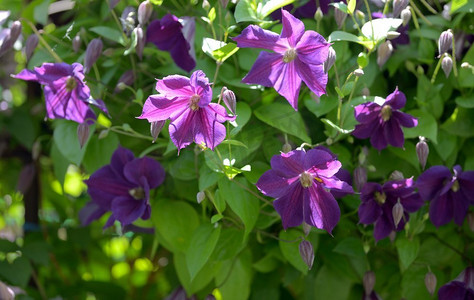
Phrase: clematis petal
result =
(289, 164)
(49, 72)
(466, 184)
(181, 129)
(367, 112)
(398, 188)
(455, 290)
(90, 212)
(120, 158)
(26, 75)
(412, 203)
(200, 85)
(378, 139)
(431, 182)
(404, 119)
(321, 162)
(365, 130)
(174, 86)
(396, 99)
(182, 57)
(266, 69)
(206, 129)
(288, 84)
(441, 210)
(335, 184)
(157, 108)
(165, 33)
(393, 133)
(383, 227)
(273, 185)
(313, 76)
(126, 209)
(369, 212)
(320, 208)
(290, 206)
(312, 48)
(293, 29)
(144, 167)
(220, 112)
(460, 206)
(345, 176)
(254, 36)
(110, 221)
(368, 190)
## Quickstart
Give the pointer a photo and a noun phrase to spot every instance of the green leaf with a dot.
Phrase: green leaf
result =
(106, 147)
(289, 246)
(285, 118)
(460, 123)
(380, 28)
(446, 144)
(207, 177)
(362, 60)
(245, 205)
(466, 76)
(234, 277)
(334, 126)
(337, 36)
(341, 6)
(457, 4)
(225, 52)
(65, 138)
(17, 273)
(330, 285)
(426, 127)
(235, 143)
(407, 251)
(465, 101)
(243, 116)
(37, 251)
(321, 107)
(7, 246)
(175, 222)
(245, 11)
(202, 245)
(272, 5)
(40, 13)
(351, 6)
(407, 153)
(266, 264)
(60, 164)
(212, 15)
(231, 241)
(109, 33)
(133, 44)
(210, 45)
(202, 279)
(350, 246)
(183, 167)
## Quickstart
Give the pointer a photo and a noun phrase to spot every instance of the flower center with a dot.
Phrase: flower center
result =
(455, 186)
(306, 179)
(137, 193)
(380, 198)
(386, 112)
(194, 102)
(71, 84)
(289, 55)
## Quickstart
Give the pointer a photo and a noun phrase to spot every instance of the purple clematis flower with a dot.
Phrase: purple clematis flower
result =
(382, 121)
(377, 203)
(461, 288)
(187, 103)
(450, 195)
(67, 95)
(298, 56)
(169, 34)
(300, 181)
(122, 187)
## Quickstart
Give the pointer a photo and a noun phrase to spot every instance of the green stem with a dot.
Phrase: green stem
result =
(349, 102)
(370, 19)
(385, 8)
(43, 42)
(453, 54)
(218, 65)
(435, 73)
(417, 10)
(431, 9)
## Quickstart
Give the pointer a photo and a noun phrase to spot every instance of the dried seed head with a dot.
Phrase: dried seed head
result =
(330, 60)
(155, 129)
(447, 65)
(406, 15)
(360, 177)
(430, 282)
(200, 197)
(145, 10)
(422, 151)
(307, 253)
(340, 17)
(30, 46)
(318, 15)
(306, 179)
(369, 282)
(229, 99)
(76, 43)
(82, 133)
(398, 6)
(384, 52)
(445, 41)
(93, 51)
(397, 213)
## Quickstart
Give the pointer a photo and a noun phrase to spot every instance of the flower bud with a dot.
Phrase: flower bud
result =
(422, 151)
(360, 177)
(82, 133)
(200, 197)
(103, 134)
(430, 282)
(406, 15)
(396, 175)
(93, 51)
(359, 72)
(11, 37)
(307, 253)
(318, 15)
(6, 292)
(228, 97)
(330, 60)
(141, 40)
(286, 148)
(128, 19)
(155, 129)
(384, 52)
(306, 228)
(340, 17)
(360, 15)
(365, 92)
(113, 3)
(397, 213)
(398, 6)
(447, 65)
(224, 3)
(391, 35)
(465, 65)
(206, 5)
(369, 282)
(445, 41)
(30, 46)
(127, 78)
(392, 236)
(145, 9)
(470, 220)
(76, 43)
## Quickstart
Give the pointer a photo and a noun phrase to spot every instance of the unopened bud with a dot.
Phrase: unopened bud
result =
(365, 92)
(384, 52)
(420, 70)
(228, 97)
(228, 18)
(406, 15)
(144, 12)
(306, 228)
(126, 79)
(141, 40)
(155, 129)
(206, 5)
(397, 213)
(340, 17)
(286, 148)
(224, 3)
(93, 51)
(470, 220)
(445, 41)
(396, 175)
(398, 6)
(10, 39)
(430, 282)
(318, 15)
(103, 134)
(359, 72)
(392, 236)
(360, 177)
(360, 15)
(447, 65)
(307, 253)
(371, 168)
(200, 197)
(30, 45)
(76, 43)
(36, 150)
(391, 35)
(330, 60)
(82, 133)
(113, 3)
(369, 282)
(6, 292)
(465, 65)
(422, 151)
